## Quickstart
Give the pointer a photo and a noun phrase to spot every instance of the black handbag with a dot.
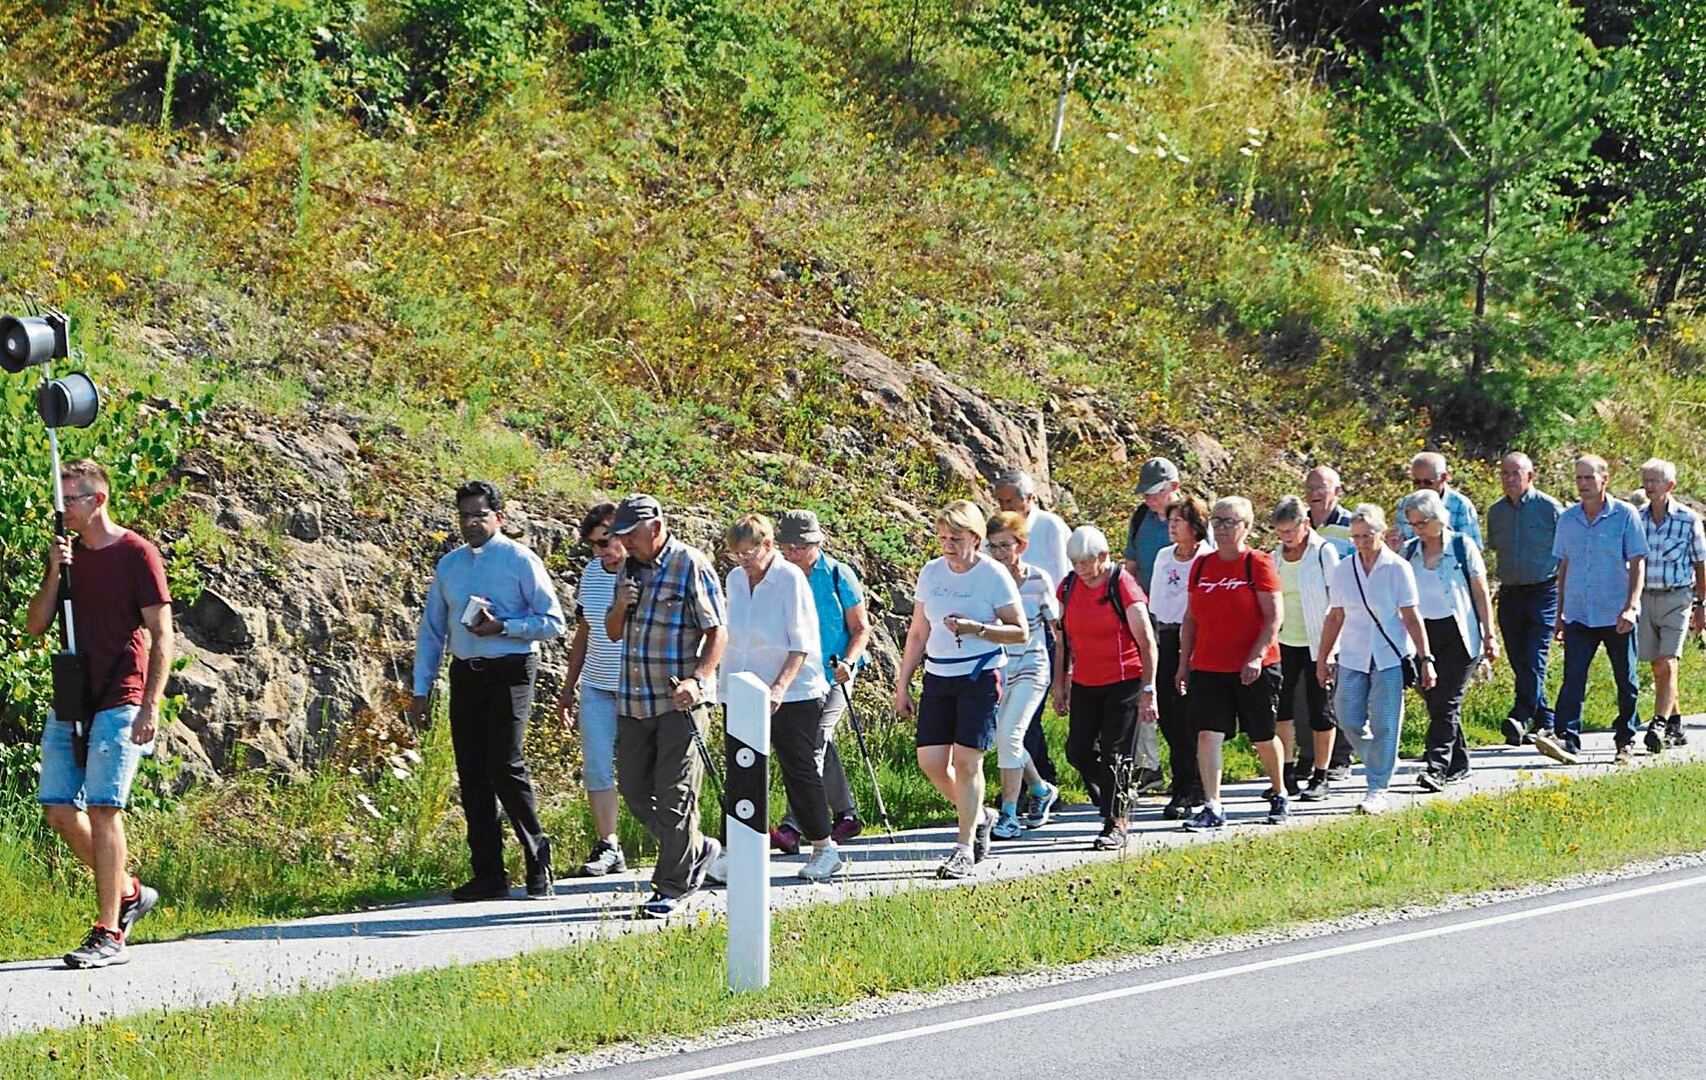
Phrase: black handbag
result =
(1412, 670)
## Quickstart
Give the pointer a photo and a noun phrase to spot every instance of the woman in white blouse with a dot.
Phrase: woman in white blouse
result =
(1028, 675)
(1169, 594)
(1373, 622)
(1451, 591)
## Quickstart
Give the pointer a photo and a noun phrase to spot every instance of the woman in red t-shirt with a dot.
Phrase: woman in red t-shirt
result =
(1231, 635)
(1105, 659)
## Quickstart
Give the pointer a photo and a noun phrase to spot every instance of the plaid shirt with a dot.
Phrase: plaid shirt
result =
(680, 599)
(1674, 545)
(1457, 507)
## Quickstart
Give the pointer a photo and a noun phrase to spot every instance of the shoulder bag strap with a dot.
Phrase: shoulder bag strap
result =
(1356, 575)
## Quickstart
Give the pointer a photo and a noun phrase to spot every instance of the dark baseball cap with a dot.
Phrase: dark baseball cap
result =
(1157, 473)
(798, 527)
(633, 510)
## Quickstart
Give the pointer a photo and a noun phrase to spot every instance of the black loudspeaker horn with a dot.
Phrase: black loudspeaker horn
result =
(68, 401)
(32, 340)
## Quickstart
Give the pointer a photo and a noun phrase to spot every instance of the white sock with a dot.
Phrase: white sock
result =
(613, 841)
(963, 849)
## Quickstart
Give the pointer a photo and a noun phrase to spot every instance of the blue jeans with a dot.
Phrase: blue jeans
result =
(598, 738)
(1526, 617)
(1580, 643)
(112, 765)
(1370, 708)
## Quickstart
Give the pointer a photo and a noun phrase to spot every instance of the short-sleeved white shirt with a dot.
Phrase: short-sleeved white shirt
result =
(1046, 544)
(1036, 596)
(1391, 585)
(1170, 584)
(767, 622)
(976, 595)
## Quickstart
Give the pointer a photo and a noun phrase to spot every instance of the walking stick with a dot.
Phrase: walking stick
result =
(704, 750)
(864, 752)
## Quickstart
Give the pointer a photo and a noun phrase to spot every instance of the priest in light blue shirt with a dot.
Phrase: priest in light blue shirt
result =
(494, 646)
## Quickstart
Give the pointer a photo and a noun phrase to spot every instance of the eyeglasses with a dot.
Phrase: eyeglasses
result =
(1003, 545)
(1224, 522)
(474, 515)
(600, 545)
(1417, 523)
(80, 498)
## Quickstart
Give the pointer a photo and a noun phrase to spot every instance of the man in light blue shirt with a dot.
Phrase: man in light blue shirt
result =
(1602, 554)
(1429, 472)
(492, 601)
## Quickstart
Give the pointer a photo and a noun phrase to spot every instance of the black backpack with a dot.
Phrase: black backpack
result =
(1112, 597)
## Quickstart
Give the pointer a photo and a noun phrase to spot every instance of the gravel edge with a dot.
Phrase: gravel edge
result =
(990, 986)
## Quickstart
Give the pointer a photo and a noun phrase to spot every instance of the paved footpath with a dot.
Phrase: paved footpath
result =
(330, 949)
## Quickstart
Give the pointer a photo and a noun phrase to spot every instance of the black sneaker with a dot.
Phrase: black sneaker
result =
(132, 909)
(1179, 807)
(606, 858)
(1512, 731)
(1111, 838)
(1148, 780)
(541, 878)
(657, 906)
(102, 948)
(1674, 735)
(1317, 788)
(981, 835)
(1430, 781)
(1279, 809)
(1652, 740)
(481, 889)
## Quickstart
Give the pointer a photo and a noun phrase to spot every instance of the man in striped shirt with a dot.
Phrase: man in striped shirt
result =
(670, 616)
(1673, 597)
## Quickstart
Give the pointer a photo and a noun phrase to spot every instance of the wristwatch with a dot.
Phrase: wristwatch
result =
(1148, 689)
(1425, 658)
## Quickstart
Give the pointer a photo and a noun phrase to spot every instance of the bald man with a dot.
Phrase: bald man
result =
(1522, 527)
(1322, 490)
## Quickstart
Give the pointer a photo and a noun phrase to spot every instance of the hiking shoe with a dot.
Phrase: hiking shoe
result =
(980, 835)
(1512, 731)
(1674, 735)
(1623, 755)
(1547, 744)
(823, 864)
(1317, 788)
(134, 907)
(606, 858)
(1148, 780)
(541, 879)
(481, 888)
(846, 827)
(709, 865)
(1042, 807)
(657, 906)
(1208, 819)
(1653, 741)
(1373, 803)
(1111, 838)
(957, 865)
(1430, 781)
(1279, 809)
(1008, 828)
(1180, 806)
(102, 948)
(786, 839)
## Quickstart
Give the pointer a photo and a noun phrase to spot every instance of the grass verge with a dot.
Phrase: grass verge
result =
(493, 1015)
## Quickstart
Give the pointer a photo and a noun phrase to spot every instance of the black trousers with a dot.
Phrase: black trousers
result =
(490, 703)
(1036, 744)
(1175, 718)
(1447, 752)
(1099, 734)
(797, 737)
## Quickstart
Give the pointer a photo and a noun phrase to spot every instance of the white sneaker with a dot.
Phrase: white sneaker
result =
(823, 864)
(718, 872)
(1373, 803)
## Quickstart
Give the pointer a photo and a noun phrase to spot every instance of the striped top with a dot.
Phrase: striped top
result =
(1674, 545)
(602, 669)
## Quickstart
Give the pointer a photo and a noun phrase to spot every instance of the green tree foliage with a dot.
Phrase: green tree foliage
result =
(1480, 114)
(1087, 47)
(1664, 124)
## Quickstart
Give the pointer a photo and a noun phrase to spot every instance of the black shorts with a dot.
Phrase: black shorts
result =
(1219, 701)
(959, 709)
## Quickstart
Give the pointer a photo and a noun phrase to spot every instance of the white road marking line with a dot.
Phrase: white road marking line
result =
(1183, 980)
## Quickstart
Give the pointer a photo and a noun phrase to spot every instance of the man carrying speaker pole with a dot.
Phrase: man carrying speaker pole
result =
(124, 630)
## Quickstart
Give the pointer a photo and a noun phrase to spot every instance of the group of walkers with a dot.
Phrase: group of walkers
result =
(1189, 636)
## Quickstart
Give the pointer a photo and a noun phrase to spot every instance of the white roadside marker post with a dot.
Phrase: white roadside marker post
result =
(747, 811)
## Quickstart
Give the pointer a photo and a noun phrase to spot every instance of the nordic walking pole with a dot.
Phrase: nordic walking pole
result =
(864, 752)
(704, 750)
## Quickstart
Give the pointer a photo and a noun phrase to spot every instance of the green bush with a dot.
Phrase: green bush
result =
(457, 54)
(247, 56)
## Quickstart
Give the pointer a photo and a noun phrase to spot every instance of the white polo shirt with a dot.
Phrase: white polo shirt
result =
(766, 623)
(1390, 586)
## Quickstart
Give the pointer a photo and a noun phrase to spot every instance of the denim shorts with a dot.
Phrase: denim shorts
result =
(113, 759)
(598, 738)
(959, 709)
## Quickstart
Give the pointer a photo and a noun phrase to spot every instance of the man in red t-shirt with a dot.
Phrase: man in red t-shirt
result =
(122, 615)
(1231, 635)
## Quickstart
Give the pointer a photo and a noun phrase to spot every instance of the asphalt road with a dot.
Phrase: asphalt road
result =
(1607, 981)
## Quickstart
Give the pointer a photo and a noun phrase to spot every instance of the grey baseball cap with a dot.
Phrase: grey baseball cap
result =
(1157, 473)
(630, 512)
(798, 527)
